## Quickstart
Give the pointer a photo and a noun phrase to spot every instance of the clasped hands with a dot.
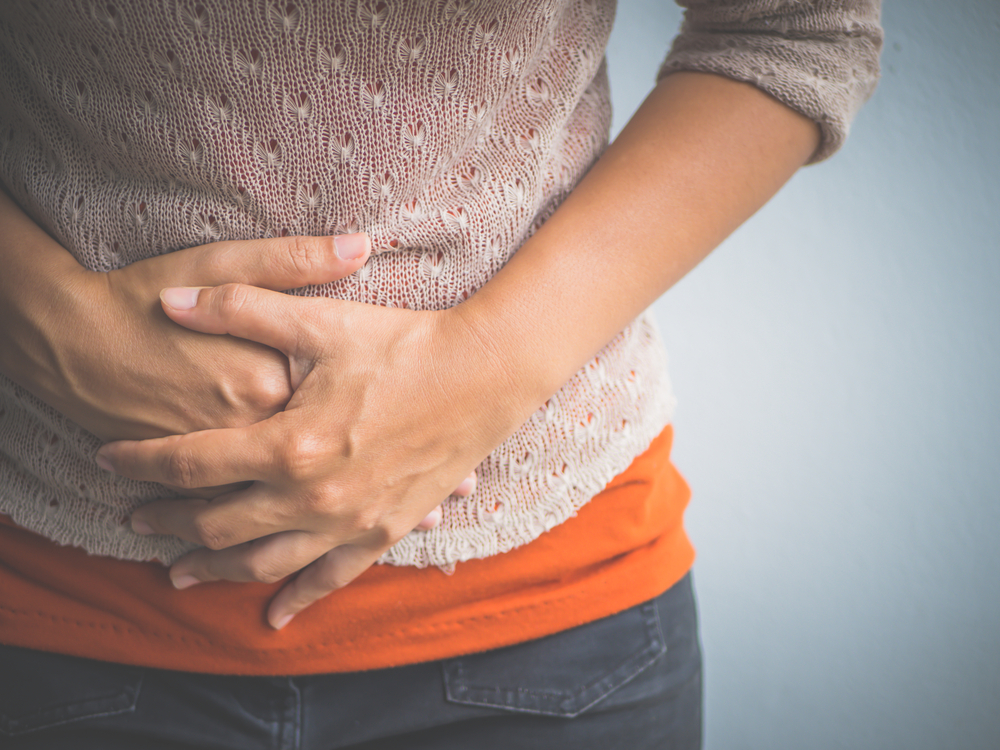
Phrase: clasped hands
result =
(390, 410)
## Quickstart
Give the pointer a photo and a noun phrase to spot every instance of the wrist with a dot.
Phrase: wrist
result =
(511, 377)
(49, 328)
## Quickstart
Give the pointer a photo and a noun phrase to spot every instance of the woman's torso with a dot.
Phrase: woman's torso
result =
(446, 130)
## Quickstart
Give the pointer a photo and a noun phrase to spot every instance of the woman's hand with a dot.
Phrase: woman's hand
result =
(392, 409)
(117, 366)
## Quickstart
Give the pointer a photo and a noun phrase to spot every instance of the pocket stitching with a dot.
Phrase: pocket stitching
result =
(569, 705)
(129, 694)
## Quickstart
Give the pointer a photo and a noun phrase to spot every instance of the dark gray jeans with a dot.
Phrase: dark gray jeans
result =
(632, 681)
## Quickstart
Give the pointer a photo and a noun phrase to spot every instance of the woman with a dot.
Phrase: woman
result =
(312, 432)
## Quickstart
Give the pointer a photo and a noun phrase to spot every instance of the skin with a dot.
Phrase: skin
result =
(396, 406)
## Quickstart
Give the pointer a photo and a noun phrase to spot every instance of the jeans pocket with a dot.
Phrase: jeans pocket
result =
(39, 690)
(563, 674)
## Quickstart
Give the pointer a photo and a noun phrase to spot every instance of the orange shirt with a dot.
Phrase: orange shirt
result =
(625, 546)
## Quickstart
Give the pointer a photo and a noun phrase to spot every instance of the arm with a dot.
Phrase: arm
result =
(701, 155)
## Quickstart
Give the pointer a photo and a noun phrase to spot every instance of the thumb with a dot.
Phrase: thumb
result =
(279, 263)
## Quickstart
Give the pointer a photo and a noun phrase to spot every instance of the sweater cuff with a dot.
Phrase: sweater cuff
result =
(820, 61)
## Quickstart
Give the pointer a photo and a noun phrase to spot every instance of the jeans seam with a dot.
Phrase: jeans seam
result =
(13, 732)
(568, 707)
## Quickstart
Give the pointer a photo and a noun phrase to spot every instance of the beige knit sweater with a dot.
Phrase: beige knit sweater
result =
(446, 129)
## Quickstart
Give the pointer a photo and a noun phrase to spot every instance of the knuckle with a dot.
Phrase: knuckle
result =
(262, 570)
(266, 575)
(298, 457)
(331, 579)
(366, 521)
(230, 299)
(305, 255)
(378, 529)
(180, 469)
(321, 501)
(208, 534)
(267, 391)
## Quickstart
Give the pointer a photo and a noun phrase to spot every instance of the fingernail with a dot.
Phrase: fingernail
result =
(104, 463)
(180, 297)
(466, 487)
(350, 246)
(141, 527)
(432, 519)
(283, 621)
(184, 582)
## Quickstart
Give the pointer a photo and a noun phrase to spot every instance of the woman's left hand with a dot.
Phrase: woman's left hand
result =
(392, 409)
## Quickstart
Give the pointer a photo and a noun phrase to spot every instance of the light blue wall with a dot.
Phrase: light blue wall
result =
(837, 364)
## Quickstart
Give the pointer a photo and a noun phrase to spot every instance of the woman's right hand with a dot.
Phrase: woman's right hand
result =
(160, 379)
(126, 370)
(98, 347)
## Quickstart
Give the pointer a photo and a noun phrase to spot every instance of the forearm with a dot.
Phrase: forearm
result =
(700, 156)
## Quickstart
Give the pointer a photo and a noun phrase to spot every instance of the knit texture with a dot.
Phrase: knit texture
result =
(821, 58)
(447, 130)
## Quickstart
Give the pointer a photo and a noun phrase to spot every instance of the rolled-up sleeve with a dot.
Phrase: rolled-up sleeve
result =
(820, 58)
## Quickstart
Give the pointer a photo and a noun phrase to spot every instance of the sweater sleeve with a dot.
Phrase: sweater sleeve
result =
(819, 57)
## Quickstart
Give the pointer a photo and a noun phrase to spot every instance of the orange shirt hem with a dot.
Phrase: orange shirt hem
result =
(626, 546)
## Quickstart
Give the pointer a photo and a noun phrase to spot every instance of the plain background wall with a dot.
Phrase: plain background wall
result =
(837, 365)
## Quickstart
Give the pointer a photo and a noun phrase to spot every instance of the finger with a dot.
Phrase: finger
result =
(278, 263)
(332, 571)
(431, 520)
(148, 519)
(210, 493)
(199, 459)
(467, 487)
(270, 318)
(266, 560)
(223, 522)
